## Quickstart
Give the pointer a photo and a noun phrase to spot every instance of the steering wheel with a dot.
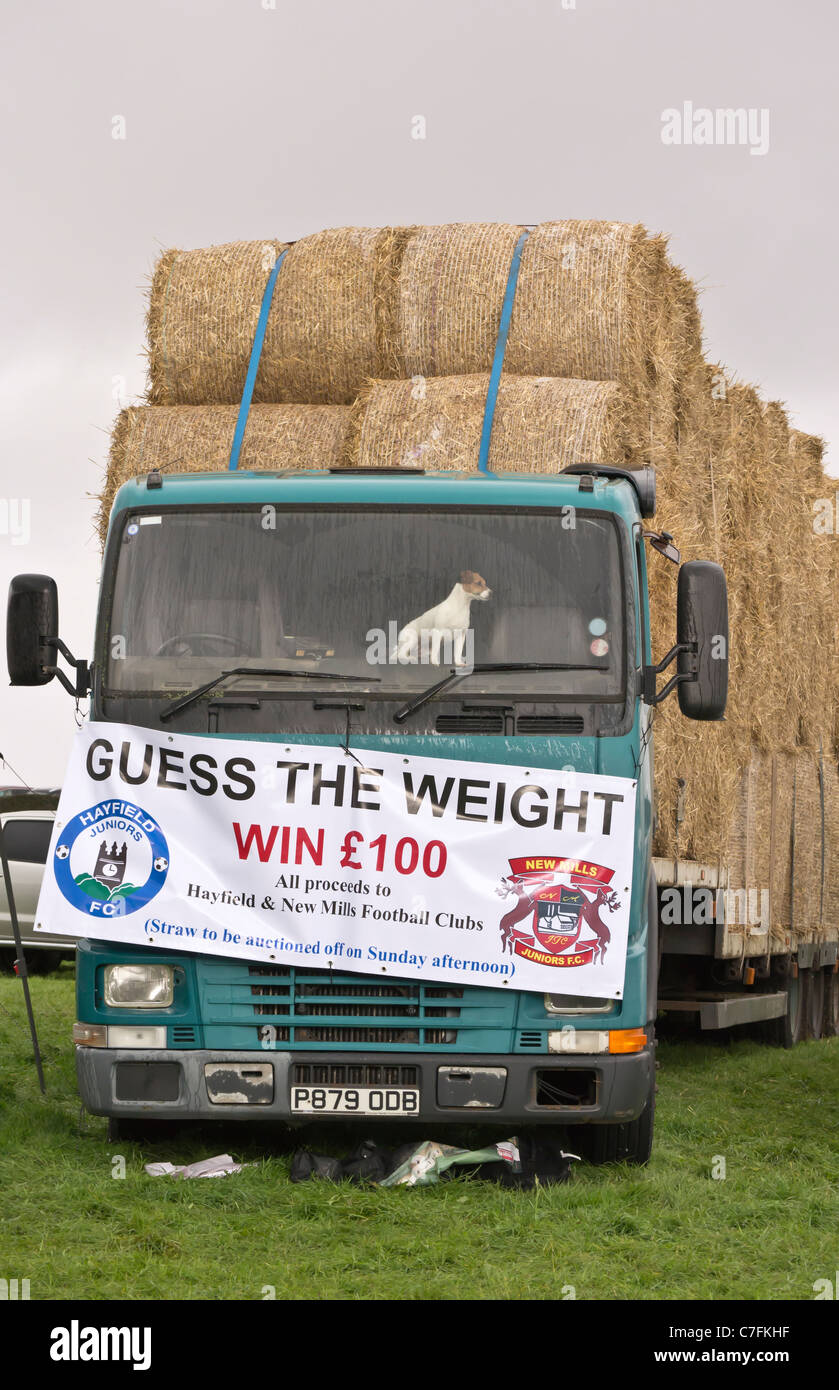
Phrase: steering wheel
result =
(198, 644)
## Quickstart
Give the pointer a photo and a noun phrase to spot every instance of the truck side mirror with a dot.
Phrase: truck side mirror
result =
(32, 616)
(702, 636)
(32, 640)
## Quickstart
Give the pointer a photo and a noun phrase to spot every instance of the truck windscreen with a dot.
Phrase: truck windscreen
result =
(392, 595)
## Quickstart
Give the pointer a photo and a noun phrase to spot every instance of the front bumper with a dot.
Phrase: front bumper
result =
(530, 1090)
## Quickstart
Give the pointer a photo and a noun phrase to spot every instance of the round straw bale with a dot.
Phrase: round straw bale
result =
(781, 816)
(710, 760)
(832, 849)
(812, 585)
(747, 562)
(676, 353)
(588, 301)
(807, 901)
(782, 632)
(541, 424)
(202, 316)
(594, 300)
(691, 497)
(331, 323)
(197, 439)
(451, 291)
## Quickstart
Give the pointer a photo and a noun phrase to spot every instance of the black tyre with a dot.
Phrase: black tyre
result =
(42, 962)
(627, 1143)
(120, 1130)
(10, 957)
(815, 1004)
(830, 1018)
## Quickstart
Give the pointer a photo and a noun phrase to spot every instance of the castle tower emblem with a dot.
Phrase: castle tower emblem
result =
(110, 865)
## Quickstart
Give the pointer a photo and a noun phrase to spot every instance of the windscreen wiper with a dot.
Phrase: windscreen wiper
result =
(183, 701)
(402, 714)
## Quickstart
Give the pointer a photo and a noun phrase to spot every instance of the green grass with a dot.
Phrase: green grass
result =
(769, 1230)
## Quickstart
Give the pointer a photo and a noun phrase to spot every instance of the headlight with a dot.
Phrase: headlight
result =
(139, 986)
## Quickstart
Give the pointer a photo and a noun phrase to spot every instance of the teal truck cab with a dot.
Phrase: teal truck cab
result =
(268, 607)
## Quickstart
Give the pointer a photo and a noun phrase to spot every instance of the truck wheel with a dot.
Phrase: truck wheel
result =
(789, 1029)
(815, 1004)
(830, 1018)
(9, 957)
(627, 1143)
(43, 962)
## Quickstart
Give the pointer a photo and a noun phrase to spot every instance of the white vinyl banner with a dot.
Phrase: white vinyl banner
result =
(381, 863)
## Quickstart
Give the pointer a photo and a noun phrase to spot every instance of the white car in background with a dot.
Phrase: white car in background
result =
(26, 838)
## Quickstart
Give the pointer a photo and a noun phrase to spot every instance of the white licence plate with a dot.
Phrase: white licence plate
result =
(354, 1100)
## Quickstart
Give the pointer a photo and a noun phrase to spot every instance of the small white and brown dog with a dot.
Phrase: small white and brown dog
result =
(444, 628)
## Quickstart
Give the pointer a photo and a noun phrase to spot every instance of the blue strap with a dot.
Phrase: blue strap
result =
(253, 365)
(498, 360)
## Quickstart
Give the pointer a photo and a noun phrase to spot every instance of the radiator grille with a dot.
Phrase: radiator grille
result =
(358, 1035)
(319, 996)
(299, 1006)
(325, 989)
(270, 1033)
(344, 1010)
(262, 992)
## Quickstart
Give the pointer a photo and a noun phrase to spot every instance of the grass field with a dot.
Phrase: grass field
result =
(769, 1229)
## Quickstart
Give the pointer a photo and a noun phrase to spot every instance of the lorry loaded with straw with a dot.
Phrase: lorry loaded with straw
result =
(414, 786)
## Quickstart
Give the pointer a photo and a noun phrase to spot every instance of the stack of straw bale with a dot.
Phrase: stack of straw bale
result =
(377, 352)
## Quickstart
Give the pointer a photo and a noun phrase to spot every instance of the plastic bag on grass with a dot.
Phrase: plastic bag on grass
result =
(521, 1163)
(217, 1167)
(429, 1161)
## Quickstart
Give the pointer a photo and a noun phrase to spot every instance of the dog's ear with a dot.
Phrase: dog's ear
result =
(467, 576)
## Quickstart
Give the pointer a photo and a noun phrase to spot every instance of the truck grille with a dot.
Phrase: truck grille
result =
(319, 1007)
(356, 1035)
(326, 989)
(358, 1010)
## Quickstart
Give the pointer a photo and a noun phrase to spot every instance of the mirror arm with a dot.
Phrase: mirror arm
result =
(653, 697)
(51, 645)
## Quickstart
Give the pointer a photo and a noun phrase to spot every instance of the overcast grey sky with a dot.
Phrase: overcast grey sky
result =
(266, 118)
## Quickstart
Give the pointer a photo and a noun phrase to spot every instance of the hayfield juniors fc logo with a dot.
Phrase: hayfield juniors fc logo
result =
(554, 901)
(111, 859)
